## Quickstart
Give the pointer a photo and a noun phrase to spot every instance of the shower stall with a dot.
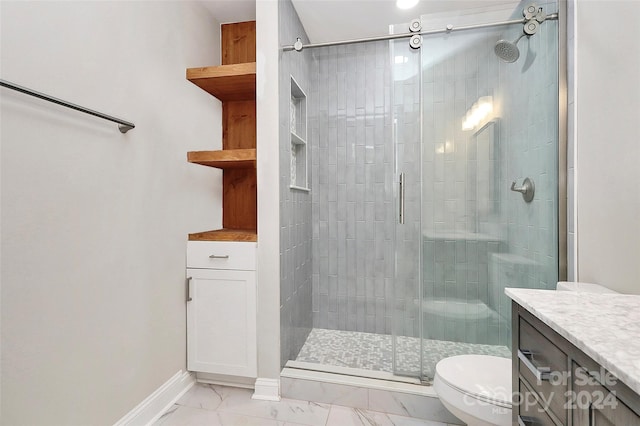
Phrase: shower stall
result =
(417, 182)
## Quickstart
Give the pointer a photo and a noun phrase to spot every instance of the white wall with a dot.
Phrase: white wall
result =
(268, 262)
(94, 223)
(607, 107)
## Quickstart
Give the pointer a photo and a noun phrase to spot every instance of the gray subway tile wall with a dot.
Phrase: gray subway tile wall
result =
(354, 210)
(295, 206)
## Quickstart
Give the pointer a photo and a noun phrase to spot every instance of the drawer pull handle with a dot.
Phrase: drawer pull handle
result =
(527, 421)
(189, 298)
(541, 373)
(219, 256)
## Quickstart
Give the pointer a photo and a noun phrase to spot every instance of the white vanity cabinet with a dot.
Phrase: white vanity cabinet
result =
(221, 308)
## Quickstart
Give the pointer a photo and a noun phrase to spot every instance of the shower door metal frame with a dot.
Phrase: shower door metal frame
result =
(562, 141)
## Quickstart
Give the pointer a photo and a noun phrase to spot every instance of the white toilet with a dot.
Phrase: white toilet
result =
(477, 388)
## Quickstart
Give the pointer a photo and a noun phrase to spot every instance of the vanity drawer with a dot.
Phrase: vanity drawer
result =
(221, 255)
(544, 367)
(531, 412)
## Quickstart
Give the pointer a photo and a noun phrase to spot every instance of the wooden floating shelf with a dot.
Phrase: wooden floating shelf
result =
(250, 235)
(225, 159)
(235, 82)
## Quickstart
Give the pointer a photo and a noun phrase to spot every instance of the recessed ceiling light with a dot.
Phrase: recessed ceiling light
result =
(406, 4)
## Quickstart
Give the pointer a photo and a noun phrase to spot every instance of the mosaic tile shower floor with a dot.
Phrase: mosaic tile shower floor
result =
(372, 351)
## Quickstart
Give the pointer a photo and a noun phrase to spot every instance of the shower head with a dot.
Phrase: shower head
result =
(508, 50)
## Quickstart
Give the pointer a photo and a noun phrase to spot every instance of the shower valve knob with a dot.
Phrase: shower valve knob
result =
(527, 189)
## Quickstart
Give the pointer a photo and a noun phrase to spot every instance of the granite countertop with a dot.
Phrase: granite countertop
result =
(604, 326)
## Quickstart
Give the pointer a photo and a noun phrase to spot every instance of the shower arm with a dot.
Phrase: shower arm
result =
(299, 46)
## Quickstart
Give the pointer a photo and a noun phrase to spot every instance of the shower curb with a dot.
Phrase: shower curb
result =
(399, 398)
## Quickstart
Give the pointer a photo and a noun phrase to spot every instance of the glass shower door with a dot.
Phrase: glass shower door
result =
(469, 129)
(486, 124)
(406, 104)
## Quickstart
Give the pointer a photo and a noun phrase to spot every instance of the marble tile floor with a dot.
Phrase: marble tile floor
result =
(227, 406)
(370, 351)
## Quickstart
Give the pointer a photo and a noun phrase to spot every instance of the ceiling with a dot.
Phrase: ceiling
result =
(226, 11)
(330, 20)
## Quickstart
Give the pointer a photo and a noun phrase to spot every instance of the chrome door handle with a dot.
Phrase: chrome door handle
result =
(541, 373)
(217, 256)
(401, 197)
(188, 282)
(527, 189)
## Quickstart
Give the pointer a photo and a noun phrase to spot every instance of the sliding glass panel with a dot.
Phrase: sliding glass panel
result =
(486, 124)
(406, 78)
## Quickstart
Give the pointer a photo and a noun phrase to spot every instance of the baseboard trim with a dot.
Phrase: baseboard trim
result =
(224, 380)
(156, 404)
(267, 389)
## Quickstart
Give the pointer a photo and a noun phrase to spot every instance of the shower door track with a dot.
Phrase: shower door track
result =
(298, 46)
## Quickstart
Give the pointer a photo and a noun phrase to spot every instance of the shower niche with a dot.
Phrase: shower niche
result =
(298, 129)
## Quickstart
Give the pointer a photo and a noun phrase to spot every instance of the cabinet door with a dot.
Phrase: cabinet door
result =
(594, 405)
(221, 322)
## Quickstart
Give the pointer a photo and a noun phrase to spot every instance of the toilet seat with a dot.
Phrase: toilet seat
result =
(476, 388)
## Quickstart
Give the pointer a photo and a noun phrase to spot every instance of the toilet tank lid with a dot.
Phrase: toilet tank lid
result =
(583, 287)
(485, 377)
